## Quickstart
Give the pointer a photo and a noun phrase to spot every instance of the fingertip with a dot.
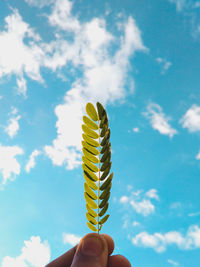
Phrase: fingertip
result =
(110, 243)
(118, 261)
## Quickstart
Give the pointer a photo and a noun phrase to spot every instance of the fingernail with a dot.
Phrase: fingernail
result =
(92, 246)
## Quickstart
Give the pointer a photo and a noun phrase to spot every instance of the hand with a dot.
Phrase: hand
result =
(94, 250)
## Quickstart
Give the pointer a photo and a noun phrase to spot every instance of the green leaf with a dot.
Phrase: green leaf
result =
(101, 110)
(103, 131)
(91, 219)
(106, 156)
(106, 147)
(91, 226)
(89, 164)
(89, 201)
(90, 148)
(90, 123)
(107, 182)
(89, 173)
(89, 191)
(105, 192)
(106, 137)
(103, 202)
(90, 182)
(89, 156)
(104, 120)
(103, 211)
(106, 172)
(91, 111)
(91, 211)
(104, 219)
(90, 141)
(89, 132)
(105, 165)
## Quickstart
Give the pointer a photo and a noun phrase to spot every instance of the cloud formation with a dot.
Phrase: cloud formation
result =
(104, 75)
(191, 119)
(165, 64)
(9, 166)
(31, 163)
(17, 57)
(13, 125)
(142, 206)
(159, 241)
(71, 239)
(159, 121)
(34, 253)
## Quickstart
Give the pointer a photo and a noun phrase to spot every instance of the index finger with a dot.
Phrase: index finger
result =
(64, 260)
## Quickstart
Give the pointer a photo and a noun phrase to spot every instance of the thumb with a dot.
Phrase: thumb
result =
(92, 251)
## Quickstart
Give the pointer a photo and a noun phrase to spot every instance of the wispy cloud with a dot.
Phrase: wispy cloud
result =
(141, 205)
(71, 239)
(17, 57)
(191, 119)
(13, 123)
(136, 130)
(194, 214)
(9, 166)
(198, 156)
(180, 4)
(159, 241)
(159, 121)
(31, 163)
(39, 3)
(34, 253)
(144, 207)
(165, 64)
(190, 10)
(174, 263)
(104, 75)
(152, 193)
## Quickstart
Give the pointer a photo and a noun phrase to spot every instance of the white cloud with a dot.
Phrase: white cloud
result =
(67, 146)
(159, 242)
(152, 193)
(144, 207)
(39, 3)
(61, 16)
(13, 126)
(16, 57)
(104, 70)
(191, 119)
(135, 223)
(158, 120)
(198, 156)
(180, 4)
(71, 239)
(9, 166)
(174, 263)
(34, 253)
(31, 163)
(165, 65)
(124, 199)
(104, 75)
(136, 130)
(194, 214)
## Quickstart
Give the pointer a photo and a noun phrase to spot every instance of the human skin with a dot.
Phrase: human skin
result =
(93, 250)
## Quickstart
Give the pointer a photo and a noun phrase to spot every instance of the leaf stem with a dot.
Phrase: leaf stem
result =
(98, 180)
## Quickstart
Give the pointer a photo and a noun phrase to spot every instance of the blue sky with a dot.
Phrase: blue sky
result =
(141, 60)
